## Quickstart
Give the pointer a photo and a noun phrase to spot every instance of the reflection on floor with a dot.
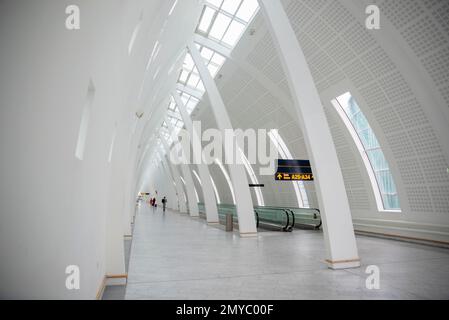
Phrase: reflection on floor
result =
(174, 256)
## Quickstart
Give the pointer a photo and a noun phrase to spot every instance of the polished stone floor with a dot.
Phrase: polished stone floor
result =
(174, 256)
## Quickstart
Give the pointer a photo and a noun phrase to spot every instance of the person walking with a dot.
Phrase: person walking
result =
(164, 203)
(154, 204)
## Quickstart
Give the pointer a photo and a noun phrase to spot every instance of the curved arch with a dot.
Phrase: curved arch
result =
(284, 152)
(228, 179)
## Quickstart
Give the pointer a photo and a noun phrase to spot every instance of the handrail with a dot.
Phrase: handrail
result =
(272, 216)
(288, 207)
(288, 221)
(321, 221)
(293, 220)
(257, 218)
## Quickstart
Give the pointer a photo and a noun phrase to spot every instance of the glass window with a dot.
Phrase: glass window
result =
(206, 53)
(217, 195)
(193, 80)
(220, 26)
(253, 177)
(284, 153)
(371, 152)
(218, 59)
(233, 33)
(224, 22)
(206, 19)
(230, 6)
(228, 179)
(188, 63)
(247, 10)
(216, 3)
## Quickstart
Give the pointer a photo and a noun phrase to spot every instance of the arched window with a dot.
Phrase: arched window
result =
(253, 177)
(375, 162)
(284, 153)
(228, 179)
(215, 190)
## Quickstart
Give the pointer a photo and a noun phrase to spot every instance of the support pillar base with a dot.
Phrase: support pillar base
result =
(248, 234)
(343, 264)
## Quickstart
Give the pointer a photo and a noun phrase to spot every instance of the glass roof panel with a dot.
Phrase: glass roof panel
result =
(231, 6)
(188, 62)
(216, 3)
(183, 76)
(223, 22)
(207, 53)
(218, 59)
(233, 33)
(193, 80)
(206, 19)
(247, 9)
(220, 26)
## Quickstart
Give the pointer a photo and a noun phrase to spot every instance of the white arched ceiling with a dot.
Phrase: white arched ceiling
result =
(399, 76)
(159, 69)
(406, 113)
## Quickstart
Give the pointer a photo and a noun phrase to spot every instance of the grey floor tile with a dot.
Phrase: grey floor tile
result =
(174, 256)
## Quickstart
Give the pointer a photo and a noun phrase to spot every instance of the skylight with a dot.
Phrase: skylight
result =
(222, 21)
(225, 21)
(189, 75)
(189, 101)
(206, 19)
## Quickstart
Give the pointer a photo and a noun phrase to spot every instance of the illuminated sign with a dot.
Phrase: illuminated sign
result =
(293, 170)
(293, 176)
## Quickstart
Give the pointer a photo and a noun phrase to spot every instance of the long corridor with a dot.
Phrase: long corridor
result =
(174, 256)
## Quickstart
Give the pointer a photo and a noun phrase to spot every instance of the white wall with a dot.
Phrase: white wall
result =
(58, 210)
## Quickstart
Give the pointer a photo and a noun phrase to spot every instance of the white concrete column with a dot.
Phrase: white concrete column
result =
(176, 175)
(244, 202)
(193, 202)
(210, 203)
(334, 205)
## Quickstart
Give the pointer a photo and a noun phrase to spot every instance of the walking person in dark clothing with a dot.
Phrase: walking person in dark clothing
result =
(164, 203)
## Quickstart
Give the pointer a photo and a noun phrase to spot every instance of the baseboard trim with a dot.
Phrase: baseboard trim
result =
(343, 264)
(111, 280)
(116, 279)
(100, 290)
(392, 236)
(432, 233)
